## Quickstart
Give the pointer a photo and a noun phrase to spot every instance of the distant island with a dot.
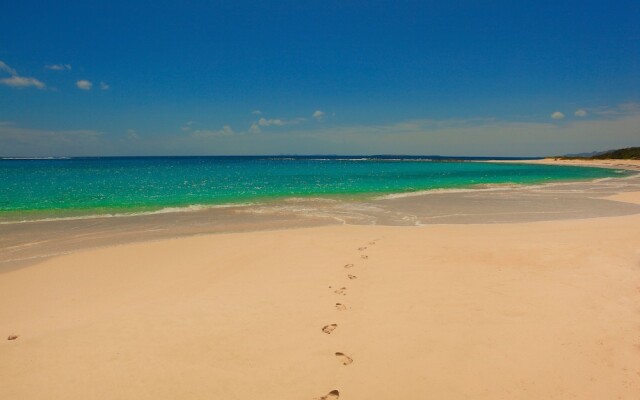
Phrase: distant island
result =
(629, 153)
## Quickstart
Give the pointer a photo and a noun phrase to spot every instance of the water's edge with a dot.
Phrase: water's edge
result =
(43, 215)
(23, 244)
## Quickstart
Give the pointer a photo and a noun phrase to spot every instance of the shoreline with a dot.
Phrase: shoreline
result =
(70, 215)
(23, 244)
(527, 292)
(529, 310)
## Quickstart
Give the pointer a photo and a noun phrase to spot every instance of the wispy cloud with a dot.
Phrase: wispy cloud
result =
(580, 113)
(256, 112)
(84, 84)
(279, 122)
(630, 108)
(132, 134)
(18, 141)
(203, 134)
(18, 81)
(462, 137)
(557, 115)
(104, 86)
(58, 67)
(271, 121)
(188, 126)
(5, 68)
(255, 128)
(487, 137)
(22, 82)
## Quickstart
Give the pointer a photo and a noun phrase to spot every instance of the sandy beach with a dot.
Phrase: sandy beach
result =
(633, 165)
(532, 294)
(346, 200)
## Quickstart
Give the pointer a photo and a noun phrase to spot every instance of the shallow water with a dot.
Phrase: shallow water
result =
(63, 188)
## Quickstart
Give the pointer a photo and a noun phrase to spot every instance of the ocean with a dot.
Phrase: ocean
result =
(52, 188)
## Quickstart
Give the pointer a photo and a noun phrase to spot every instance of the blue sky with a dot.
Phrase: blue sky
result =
(344, 77)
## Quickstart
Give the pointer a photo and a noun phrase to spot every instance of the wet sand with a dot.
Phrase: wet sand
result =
(521, 293)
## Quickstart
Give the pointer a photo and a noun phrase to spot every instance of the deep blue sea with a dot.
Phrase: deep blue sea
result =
(79, 186)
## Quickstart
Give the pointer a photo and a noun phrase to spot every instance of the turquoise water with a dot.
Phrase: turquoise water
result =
(107, 185)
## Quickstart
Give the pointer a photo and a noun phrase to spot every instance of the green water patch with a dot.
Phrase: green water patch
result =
(67, 188)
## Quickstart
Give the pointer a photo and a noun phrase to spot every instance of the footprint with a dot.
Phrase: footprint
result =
(364, 257)
(332, 395)
(329, 328)
(344, 359)
(12, 337)
(362, 248)
(352, 276)
(342, 291)
(372, 243)
(340, 307)
(349, 266)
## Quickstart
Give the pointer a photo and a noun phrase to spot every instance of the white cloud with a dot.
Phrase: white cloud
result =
(318, 115)
(22, 82)
(225, 131)
(59, 67)
(104, 86)
(256, 112)
(557, 115)
(4, 67)
(255, 128)
(187, 126)
(84, 84)
(18, 81)
(580, 113)
(269, 122)
(471, 137)
(279, 122)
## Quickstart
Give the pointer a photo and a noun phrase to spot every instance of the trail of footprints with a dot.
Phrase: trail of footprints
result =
(328, 329)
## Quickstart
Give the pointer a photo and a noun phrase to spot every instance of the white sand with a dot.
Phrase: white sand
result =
(610, 163)
(545, 310)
